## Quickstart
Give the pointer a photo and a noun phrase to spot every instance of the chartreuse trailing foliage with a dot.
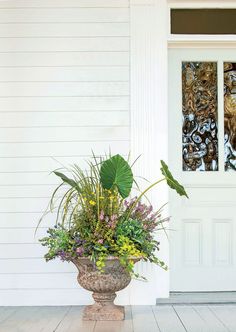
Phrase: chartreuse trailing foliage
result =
(97, 218)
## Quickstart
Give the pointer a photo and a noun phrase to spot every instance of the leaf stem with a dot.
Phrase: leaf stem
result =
(142, 194)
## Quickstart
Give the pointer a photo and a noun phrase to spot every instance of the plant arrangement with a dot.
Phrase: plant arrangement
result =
(97, 218)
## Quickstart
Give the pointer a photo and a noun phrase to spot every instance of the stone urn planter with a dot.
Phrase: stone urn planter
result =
(104, 287)
(97, 217)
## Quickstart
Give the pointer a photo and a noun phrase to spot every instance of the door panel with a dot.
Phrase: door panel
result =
(203, 231)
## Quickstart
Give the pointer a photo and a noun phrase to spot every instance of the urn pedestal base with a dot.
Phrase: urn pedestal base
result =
(104, 286)
(96, 312)
(104, 308)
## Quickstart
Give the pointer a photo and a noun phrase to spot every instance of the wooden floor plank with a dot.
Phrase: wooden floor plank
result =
(144, 319)
(46, 319)
(36, 319)
(73, 322)
(119, 326)
(167, 320)
(191, 319)
(53, 317)
(213, 323)
(226, 314)
(18, 321)
(178, 318)
(6, 313)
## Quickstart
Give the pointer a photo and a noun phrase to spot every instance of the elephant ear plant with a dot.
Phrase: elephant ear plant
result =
(97, 218)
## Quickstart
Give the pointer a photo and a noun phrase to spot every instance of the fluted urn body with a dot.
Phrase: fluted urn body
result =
(104, 287)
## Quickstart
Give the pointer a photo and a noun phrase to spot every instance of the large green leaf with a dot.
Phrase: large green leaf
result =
(172, 183)
(67, 180)
(116, 171)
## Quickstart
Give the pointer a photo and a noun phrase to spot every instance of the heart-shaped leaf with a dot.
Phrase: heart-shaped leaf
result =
(172, 183)
(116, 171)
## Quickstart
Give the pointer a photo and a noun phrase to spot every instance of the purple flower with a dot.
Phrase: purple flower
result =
(128, 204)
(140, 208)
(113, 217)
(150, 209)
(101, 217)
(62, 255)
(80, 251)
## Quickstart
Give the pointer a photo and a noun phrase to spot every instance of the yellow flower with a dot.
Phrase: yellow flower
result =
(92, 202)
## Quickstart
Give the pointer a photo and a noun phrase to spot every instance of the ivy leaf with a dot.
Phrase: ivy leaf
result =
(67, 180)
(172, 183)
(116, 171)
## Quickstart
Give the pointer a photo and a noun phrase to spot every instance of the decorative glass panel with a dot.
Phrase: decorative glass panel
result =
(230, 115)
(200, 124)
(210, 21)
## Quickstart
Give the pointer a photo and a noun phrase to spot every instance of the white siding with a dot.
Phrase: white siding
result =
(64, 90)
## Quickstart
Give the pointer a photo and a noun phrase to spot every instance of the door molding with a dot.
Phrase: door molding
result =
(211, 44)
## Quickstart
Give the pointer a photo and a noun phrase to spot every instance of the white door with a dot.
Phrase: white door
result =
(203, 228)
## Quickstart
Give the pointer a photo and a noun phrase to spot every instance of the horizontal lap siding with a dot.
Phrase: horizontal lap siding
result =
(64, 90)
(22, 296)
(61, 30)
(67, 89)
(64, 15)
(39, 164)
(65, 44)
(54, 4)
(65, 59)
(17, 220)
(53, 134)
(64, 104)
(50, 281)
(60, 148)
(63, 119)
(66, 74)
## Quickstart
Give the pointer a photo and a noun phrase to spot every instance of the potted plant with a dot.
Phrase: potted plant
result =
(103, 231)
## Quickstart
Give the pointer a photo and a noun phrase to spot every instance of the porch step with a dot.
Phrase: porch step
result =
(199, 298)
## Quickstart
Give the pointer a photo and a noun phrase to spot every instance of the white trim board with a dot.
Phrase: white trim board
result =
(149, 116)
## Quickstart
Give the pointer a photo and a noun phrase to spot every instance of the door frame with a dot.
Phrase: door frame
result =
(149, 43)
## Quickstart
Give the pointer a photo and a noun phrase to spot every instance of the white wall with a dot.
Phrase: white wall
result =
(64, 89)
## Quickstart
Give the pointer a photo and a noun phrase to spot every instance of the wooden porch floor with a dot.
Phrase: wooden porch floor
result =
(166, 318)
